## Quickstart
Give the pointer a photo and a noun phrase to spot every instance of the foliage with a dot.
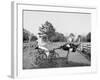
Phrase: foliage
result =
(84, 38)
(58, 37)
(48, 33)
(33, 37)
(89, 37)
(27, 36)
(72, 36)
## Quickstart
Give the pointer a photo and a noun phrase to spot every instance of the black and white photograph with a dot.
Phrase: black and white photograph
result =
(56, 39)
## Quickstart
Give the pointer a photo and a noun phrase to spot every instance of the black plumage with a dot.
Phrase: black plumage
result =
(64, 47)
(37, 47)
(67, 47)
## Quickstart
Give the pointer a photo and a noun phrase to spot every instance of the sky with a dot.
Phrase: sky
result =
(65, 23)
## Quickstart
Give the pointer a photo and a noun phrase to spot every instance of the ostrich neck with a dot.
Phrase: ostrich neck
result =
(40, 42)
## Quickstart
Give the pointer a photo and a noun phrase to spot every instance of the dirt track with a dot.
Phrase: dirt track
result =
(75, 59)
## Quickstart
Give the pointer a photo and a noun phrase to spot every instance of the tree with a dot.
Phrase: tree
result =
(81, 38)
(78, 38)
(46, 31)
(33, 37)
(71, 37)
(58, 37)
(88, 37)
(47, 28)
(26, 35)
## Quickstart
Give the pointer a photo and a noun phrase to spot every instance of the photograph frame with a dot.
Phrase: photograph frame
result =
(16, 22)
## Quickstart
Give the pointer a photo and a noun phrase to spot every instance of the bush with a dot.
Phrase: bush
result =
(57, 37)
(25, 36)
(33, 38)
(89, 37)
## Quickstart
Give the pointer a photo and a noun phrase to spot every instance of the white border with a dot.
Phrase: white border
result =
(17, 70)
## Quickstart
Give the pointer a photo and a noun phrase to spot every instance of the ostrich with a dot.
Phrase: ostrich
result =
(70, 47)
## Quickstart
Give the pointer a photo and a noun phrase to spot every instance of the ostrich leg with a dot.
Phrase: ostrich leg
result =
(67, 57)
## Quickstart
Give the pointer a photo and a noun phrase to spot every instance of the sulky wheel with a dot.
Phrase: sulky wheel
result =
(38, 61)
(43, 56)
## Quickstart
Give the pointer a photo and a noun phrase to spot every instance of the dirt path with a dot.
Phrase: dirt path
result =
(77, 57)
(73, 56)
(74, 59)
